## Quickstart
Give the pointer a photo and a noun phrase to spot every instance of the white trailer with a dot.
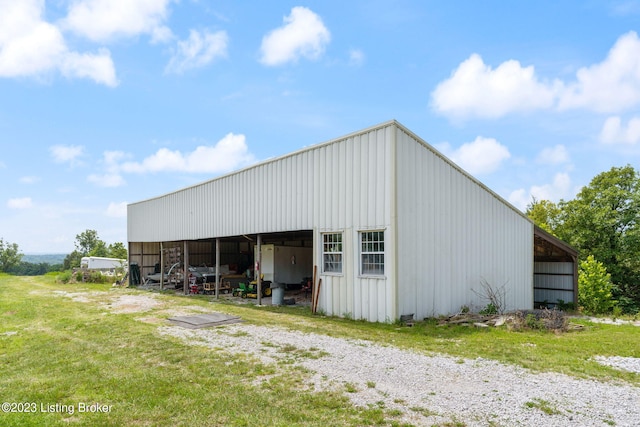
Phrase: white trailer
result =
(101, 263)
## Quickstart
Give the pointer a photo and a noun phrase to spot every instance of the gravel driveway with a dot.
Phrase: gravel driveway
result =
(435, 389)
(426, 389)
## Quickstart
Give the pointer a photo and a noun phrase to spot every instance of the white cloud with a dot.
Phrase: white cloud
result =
(104, 20)
(610, 86)
(20, 203)
(302, 35)
(482, 156)
(112, 177)
(475, 89)
(625, 8)
(30, 46)
(117, 210)
(230, 153)
(107, 180)
(560, 188)
(97, 67)
(356, 57)
(198, 50)
(29, 179)
(553, 155)
(613, 131)
(66, 153)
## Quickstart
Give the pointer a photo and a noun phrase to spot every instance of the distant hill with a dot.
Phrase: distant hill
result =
(50, 259)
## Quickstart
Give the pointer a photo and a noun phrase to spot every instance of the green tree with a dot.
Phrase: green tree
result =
(594, 287)
(602, 221)
(117, 250)
(87, 241)
(10, 255)
(72, 260)
(545, 214)
(99, 249)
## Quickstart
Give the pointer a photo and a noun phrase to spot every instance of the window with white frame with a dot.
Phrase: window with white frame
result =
(332, 252)
(372, 252)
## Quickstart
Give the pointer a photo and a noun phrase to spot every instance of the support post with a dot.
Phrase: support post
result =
(161, 266)
(258, 268)
(217, 268)
(185, 269)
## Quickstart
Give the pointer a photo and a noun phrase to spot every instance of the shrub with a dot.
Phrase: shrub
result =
(489, 309)
(97, 277)
(565, 306)
(594, 287)
(64, 277)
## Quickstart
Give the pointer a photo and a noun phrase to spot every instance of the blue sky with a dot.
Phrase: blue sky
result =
(108, 102)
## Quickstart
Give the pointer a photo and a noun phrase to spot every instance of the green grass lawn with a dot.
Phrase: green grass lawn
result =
(58, 354)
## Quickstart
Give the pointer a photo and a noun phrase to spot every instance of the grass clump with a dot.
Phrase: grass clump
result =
(543, 405)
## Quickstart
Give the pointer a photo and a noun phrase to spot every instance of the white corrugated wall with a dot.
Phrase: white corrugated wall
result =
(355, 196)
(339, 186)
(453, 233)
(270, 197)
(450, 231)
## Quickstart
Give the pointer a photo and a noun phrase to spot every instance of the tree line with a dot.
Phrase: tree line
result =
(86, 243)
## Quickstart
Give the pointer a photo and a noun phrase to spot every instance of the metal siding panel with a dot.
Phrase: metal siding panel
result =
(556, 282)
(335, 169)
(462, 234)
(341, 188)
(554, 267)
(346, 280)
(356, 175)
(353, 168)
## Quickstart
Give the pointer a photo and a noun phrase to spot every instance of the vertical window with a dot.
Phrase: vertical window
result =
(372, 252)
(332, 252)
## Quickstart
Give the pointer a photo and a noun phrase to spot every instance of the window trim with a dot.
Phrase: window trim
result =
(340, 252)
(362, 253)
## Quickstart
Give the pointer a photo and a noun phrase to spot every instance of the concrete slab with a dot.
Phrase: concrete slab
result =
(204, 320)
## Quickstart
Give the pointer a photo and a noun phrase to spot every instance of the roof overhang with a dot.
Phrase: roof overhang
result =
(548, 247)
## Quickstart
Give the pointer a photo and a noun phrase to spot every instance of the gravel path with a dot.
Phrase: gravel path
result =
(430, 390)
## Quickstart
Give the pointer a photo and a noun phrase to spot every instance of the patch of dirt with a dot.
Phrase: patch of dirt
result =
(79, 296)
(133, 304)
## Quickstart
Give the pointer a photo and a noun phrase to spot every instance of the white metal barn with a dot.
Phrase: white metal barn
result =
(395, 228)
